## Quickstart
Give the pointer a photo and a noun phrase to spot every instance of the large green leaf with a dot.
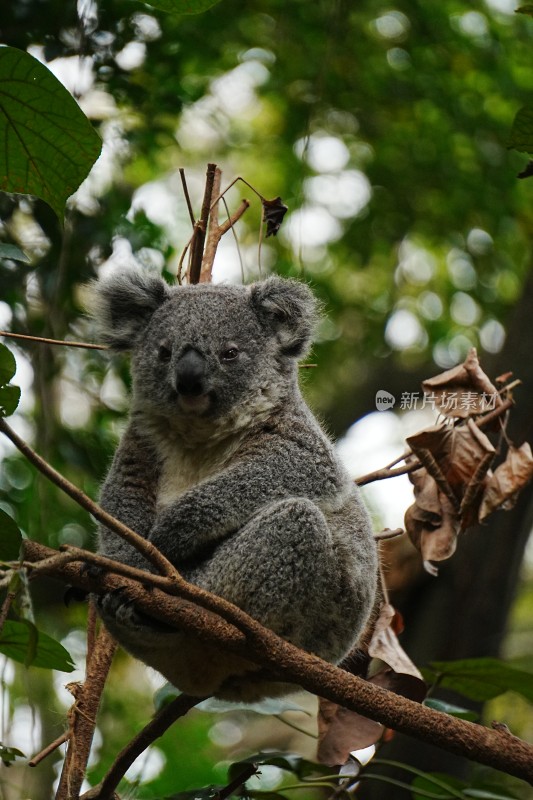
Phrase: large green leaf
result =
(183, 6)
(10, 538)
(47, 144)
(22, 642)
(521, 136)
(9, 395)
(8, 365)
(481, 678)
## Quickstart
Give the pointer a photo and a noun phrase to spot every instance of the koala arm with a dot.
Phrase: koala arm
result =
(215, 508)
(129, 494)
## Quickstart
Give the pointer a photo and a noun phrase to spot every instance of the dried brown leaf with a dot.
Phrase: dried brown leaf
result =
(432, 522)
(273, 214)
(385, 645)
(508, 480)
(452, 453)
(340, 731)
(407, 685)
(462, 390)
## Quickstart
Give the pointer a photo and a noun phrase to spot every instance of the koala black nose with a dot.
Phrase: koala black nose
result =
(190, 374)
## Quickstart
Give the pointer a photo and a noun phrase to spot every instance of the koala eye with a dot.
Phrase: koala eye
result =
(230, 354)
(164, 354)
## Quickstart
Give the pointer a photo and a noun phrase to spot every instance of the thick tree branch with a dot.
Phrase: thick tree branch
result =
(288, 663)
(82, 716)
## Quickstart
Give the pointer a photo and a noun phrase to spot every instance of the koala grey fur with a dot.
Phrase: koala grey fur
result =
(224, 468)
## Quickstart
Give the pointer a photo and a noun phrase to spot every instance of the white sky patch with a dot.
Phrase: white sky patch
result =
(131, 56)
(148, 766)
(345, 195)
(416, 265)
(371, 444)
(323, 153)
(75, 73)
(403, 330)
(492, 336)
(311, 226)
(392, 25)
(464, 310)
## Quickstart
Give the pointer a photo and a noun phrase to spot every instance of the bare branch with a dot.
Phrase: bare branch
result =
(82, 716)
(157, 726)
(200, 228)
(50, 748)
(61, 342)
(187, 196)
(150, 552)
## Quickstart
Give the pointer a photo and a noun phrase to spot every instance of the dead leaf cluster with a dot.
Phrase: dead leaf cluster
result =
(455, 486)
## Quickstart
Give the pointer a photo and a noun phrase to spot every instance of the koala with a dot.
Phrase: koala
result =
(224, 468)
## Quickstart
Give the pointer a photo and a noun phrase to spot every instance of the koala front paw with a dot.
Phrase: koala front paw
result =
(118, 609)
(115, 606)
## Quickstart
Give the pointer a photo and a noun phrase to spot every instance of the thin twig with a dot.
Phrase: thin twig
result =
(228, 187)
(200, 228)
(151, 553)
(157, 726)
(383, 474)
(387, 533)
(187, 196)
(248, 772)
(48, 750)
(236, 238)
(62, 342)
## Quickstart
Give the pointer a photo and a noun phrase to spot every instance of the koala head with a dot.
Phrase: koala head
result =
(203, 351)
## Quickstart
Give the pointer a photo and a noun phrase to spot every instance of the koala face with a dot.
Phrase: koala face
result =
(203, 351)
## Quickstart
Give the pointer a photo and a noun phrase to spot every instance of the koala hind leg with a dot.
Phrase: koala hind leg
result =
(282, 569)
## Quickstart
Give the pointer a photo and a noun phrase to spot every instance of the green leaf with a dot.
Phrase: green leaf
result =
(527, 9)
(483, 794)
(436, 785)
(22, 642)
(8, 365)
(165, 695)
(481, 678)
(270, 706)
(9, 400)
(448, 708)
(521, 136)
(183, 6)
(10, 538)
(47, 144)
(13, 252)
(9, 754)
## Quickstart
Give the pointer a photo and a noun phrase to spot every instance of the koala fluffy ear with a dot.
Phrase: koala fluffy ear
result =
(290, 310)
(123, 304)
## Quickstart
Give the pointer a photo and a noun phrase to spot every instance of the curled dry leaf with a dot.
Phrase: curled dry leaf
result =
(463, 390)
(385, 645)
(340, 731)
(452, 454)
(273, 214)
(448, 488)
(508, 480)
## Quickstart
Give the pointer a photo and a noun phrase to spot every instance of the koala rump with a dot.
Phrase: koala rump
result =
(224, 468)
